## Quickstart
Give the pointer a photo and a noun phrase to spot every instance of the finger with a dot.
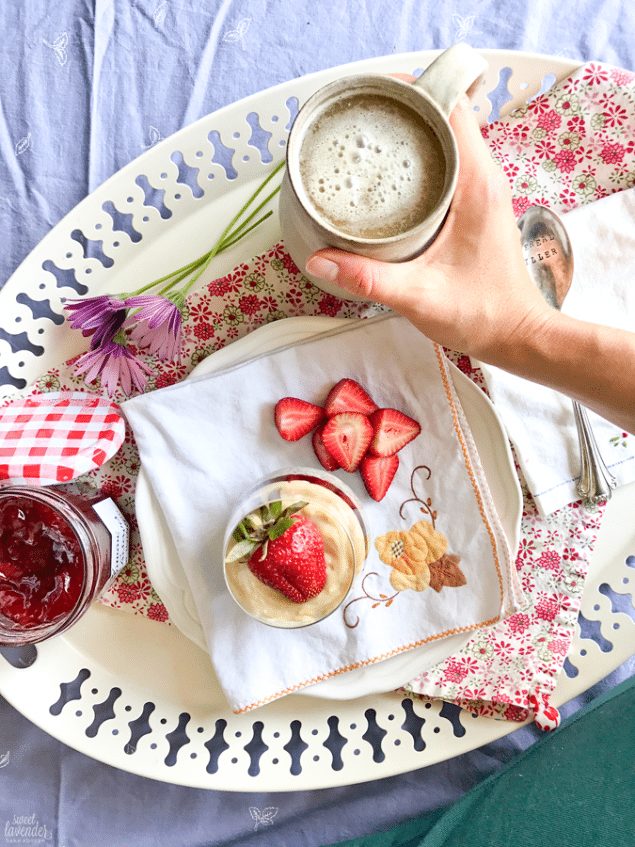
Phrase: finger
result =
(369, 279)
(481, 182)
(465, 123)
(474, 152)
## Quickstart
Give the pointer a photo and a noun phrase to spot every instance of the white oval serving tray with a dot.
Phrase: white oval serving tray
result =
(139, 695)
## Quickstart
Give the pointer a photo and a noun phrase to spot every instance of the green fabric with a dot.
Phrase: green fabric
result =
(573, 788)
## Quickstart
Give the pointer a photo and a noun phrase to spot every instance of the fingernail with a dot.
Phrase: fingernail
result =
(322, 268)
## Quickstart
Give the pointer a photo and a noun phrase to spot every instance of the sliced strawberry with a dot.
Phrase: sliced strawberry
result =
(378, 472)
(295, 418)
(349, 396)
(346, 436)
(393, 430)
(326, 460)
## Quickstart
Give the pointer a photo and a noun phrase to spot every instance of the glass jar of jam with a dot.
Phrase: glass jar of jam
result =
(58, 551)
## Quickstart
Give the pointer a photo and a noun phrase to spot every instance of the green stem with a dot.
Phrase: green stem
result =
(228, 229)
(253, 214)
(182, 274)
(188, 267)
(228, 238)
(235, 239)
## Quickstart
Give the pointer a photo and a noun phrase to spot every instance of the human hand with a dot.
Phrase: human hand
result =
(470, 290)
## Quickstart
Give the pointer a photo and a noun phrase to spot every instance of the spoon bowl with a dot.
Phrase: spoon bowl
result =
(548, 254)
(549, 258)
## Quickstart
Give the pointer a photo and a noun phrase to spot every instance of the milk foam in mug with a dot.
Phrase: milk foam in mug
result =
(372, 163)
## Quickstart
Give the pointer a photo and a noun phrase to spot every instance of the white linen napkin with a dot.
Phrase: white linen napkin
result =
(540, 421)
(206, 441)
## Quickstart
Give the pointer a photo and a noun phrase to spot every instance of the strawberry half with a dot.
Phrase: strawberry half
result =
(324, 457)
(392, 431)
(349, 396)
(378, 473)
(295, 418)
(346, 436)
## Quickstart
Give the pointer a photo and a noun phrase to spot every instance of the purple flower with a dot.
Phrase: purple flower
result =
(114, 364)
(100, 317)
(157, 325)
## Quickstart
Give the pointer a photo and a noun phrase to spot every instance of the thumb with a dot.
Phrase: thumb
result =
(368, 279)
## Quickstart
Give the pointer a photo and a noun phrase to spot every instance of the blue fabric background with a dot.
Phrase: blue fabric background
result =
(86, 86)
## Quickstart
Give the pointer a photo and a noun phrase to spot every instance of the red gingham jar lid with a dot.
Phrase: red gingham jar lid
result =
(52, 438)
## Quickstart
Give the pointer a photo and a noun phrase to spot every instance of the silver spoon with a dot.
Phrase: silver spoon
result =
(549, 260)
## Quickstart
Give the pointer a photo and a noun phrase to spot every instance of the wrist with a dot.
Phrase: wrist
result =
(526, 341)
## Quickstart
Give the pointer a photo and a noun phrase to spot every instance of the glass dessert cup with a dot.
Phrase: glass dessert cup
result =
(55, 558)
(333, 508)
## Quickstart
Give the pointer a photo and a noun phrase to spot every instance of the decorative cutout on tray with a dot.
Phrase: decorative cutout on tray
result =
(293, 105)
(92, 249)
(187, 174)
(500, 95)
(64, 277)
(259, 137)
(223, 155)
(153, 196)
(6, 378)
(121, 221)
(103, 712)
(20, 341)
(40, 309)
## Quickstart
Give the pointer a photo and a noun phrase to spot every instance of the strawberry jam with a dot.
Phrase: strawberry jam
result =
(41, 563)
(58, 551)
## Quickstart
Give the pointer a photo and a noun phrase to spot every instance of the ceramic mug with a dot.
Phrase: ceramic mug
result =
(425, 105)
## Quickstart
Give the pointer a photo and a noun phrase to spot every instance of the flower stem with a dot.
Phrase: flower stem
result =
(161, 279)
(230, 236)
(228, 229)
(233, 238)
(253, 214)
(182, 274)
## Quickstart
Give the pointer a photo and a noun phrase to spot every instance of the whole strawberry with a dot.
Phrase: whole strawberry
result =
(285, 549)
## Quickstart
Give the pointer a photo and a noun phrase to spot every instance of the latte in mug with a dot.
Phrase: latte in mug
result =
(372, 163)
(371, 166)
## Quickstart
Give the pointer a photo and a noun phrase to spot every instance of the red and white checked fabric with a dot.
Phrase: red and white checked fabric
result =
(52, 438)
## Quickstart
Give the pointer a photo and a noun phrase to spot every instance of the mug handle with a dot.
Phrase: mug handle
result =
(458, 70)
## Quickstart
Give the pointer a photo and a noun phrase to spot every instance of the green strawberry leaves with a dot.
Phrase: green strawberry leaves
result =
(267, 523)
(275, 508)
(279, 528)
(241, 550)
